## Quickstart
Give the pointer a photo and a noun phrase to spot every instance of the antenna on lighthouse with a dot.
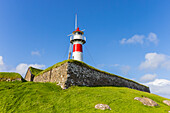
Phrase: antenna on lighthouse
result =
(75, 21)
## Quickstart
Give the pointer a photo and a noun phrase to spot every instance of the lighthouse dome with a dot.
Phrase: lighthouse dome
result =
(78, 31)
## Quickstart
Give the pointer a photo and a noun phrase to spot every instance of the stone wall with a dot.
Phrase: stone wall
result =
(85, 76)
(29, 76)
(70, 74)
(57, 75)
(31, 72)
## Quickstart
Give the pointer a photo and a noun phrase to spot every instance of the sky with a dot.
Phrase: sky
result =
(129, 38)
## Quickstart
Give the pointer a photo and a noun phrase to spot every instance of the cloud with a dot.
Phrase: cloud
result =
(36, 53)
(152, 37)
(155, 60)
(152, 61)
(159, 82)
(22, 68)
(160, 87)
(1, 60)
(148, 77)
(2, 65)
(134, 39)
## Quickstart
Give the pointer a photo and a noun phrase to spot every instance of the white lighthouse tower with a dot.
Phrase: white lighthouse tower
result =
(77, 40)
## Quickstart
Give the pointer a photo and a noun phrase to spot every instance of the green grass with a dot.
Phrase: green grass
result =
(35, 71)
(30, 97)
(82, 64)
(10, 75)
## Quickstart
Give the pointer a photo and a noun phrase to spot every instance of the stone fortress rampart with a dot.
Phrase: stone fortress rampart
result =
(75, 73)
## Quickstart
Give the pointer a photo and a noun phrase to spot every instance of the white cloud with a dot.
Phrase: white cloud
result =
(2, 65)
(37, 53)
(159, 82)
(155, 60)
(22, 68)
(152, 37)
(134, 39)
(1, 60)
(148, 77)
(152, 61)
(160, 87)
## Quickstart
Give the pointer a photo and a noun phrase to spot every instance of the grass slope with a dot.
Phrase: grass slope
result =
(30, 97)
(11, 75)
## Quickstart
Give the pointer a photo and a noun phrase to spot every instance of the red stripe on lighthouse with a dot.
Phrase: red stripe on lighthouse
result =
(77, 47)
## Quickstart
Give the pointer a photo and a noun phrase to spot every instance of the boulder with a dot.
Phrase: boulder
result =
(102, 106)
(146, 101)
(167, 102)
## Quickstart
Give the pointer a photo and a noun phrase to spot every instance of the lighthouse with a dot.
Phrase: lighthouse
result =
(77, 40)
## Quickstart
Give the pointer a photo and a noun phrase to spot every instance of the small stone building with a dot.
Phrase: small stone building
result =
(31, 72)
(10, 76)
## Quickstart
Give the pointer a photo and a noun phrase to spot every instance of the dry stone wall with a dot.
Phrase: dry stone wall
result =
(85, 76)
(70, 74)
(29, 76)
(57, 75)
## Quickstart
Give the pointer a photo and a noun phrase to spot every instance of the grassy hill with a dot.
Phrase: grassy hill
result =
(30, 97)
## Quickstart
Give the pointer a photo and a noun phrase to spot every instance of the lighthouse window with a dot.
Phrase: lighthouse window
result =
(78, 33)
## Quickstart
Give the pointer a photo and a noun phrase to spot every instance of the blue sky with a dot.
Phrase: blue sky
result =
(129, 38)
